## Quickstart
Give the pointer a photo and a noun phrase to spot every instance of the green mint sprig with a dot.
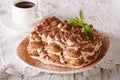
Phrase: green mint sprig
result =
(80, 22)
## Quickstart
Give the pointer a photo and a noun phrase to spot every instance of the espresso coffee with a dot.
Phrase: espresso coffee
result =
(24, 4)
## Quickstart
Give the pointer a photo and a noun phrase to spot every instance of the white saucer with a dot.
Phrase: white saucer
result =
(8, 23)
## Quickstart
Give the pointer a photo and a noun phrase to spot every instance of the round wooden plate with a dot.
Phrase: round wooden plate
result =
(23, 54)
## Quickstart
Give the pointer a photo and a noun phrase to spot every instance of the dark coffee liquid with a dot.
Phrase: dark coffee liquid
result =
(24, 4)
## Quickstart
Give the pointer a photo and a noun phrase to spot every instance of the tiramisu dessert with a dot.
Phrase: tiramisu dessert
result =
(70, 43)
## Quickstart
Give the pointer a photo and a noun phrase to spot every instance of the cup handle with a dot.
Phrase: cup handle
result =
(39, 15)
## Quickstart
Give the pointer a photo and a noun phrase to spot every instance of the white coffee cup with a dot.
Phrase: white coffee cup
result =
(25, 16)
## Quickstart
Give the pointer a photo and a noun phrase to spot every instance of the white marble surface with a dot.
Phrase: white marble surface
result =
(103, 13)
